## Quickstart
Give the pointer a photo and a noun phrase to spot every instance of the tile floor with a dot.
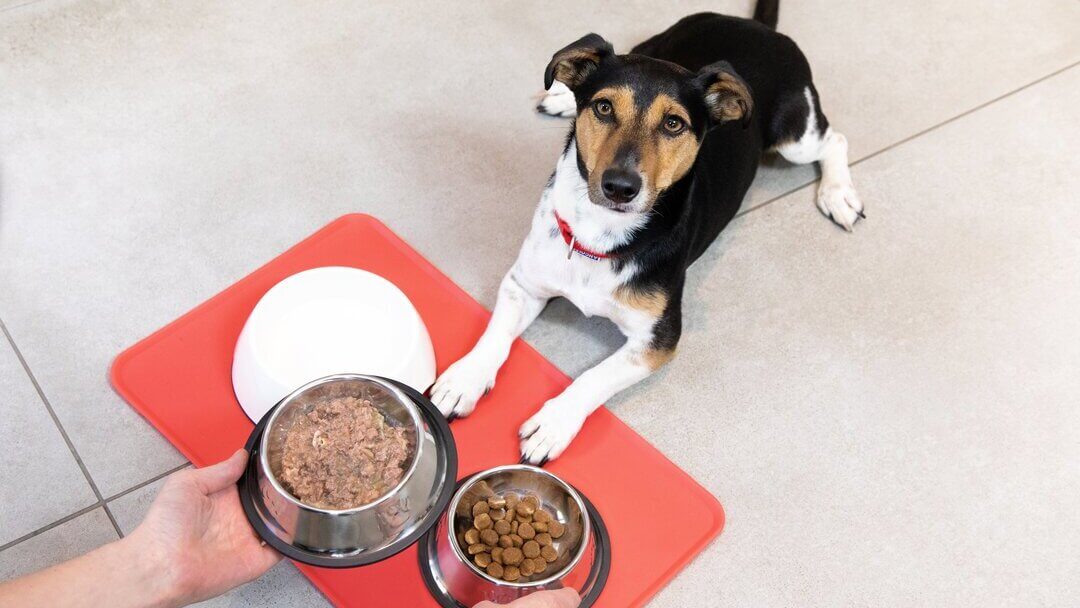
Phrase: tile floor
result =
(889, 417)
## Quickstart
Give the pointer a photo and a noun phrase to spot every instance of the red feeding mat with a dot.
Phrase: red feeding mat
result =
(179, 378)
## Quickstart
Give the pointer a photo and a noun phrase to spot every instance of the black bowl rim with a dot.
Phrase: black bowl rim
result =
(248, 489)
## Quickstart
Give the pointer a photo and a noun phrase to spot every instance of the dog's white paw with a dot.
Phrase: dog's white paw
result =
(840, 203)
(558, 101)
(458, 389)
(548, 433)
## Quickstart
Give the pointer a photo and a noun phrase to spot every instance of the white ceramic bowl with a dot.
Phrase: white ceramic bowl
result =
(325, 321)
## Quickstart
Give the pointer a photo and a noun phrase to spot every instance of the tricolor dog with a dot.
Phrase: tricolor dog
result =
(663, 147)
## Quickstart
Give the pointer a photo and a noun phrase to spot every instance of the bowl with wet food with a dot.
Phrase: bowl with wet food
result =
(348, 470)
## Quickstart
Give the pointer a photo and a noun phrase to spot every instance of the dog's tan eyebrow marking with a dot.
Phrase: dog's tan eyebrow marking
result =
(652, 303)
(621, 98)
(661, 107)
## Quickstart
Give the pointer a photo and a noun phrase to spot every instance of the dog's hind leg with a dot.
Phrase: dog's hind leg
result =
(803, 136)
(558, 101)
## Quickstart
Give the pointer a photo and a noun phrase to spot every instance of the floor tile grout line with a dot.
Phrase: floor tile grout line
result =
(919, 134)
(60, 427)
(11, 8)
(87, 509)
(143, 484)
(46, 528)
(112, 519)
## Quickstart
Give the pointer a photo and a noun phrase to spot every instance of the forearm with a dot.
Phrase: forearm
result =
(515, 309)
(118, 574)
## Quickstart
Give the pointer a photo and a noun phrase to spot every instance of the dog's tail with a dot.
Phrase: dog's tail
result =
(767, 12)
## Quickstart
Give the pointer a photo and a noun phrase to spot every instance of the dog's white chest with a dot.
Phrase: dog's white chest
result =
(549, 267)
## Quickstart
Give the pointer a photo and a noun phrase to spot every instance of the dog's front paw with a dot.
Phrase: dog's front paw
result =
(547, 434)
(558, 101)
(458, 389)
(840, 203)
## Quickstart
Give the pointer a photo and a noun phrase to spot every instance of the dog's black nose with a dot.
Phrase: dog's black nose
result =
(619, 185)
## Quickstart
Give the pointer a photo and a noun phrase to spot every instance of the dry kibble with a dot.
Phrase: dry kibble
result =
(526, 531)
(512, 556)
(480, 507)
(482, 521)
(549, 553)
(512, 536)
(556, 529)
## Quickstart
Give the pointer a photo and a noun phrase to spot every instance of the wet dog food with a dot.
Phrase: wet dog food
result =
(511, 538)
(342, 454)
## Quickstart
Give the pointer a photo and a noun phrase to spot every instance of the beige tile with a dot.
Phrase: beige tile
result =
(6, 5)
(66, 541)
(40, 481)
(890, 417)
(129, 509)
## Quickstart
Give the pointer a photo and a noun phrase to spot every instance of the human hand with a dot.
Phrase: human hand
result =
(197, 534)
(562, 598)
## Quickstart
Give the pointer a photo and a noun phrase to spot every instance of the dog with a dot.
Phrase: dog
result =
(664, 145)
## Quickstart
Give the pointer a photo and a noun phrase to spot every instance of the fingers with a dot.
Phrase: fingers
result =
(562, 598)
(219, 476)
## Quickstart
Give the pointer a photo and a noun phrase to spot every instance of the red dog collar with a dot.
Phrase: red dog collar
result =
(568, 236)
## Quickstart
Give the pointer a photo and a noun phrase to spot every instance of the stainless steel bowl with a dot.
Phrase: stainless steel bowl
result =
(368, 533)
(583, 549)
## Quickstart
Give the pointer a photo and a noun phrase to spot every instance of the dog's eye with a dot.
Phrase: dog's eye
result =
(602, 107)
(674, 125)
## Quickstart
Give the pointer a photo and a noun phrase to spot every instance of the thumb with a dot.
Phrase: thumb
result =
(562, 598)
(219, 476)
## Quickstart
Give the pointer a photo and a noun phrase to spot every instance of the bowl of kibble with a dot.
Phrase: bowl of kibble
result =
(512, 531)
(348, 470)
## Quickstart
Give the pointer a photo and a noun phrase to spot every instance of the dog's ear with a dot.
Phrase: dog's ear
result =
(727, 96)
(574, 62)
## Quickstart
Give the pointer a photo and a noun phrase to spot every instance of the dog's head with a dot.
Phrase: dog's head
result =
(640, 120)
